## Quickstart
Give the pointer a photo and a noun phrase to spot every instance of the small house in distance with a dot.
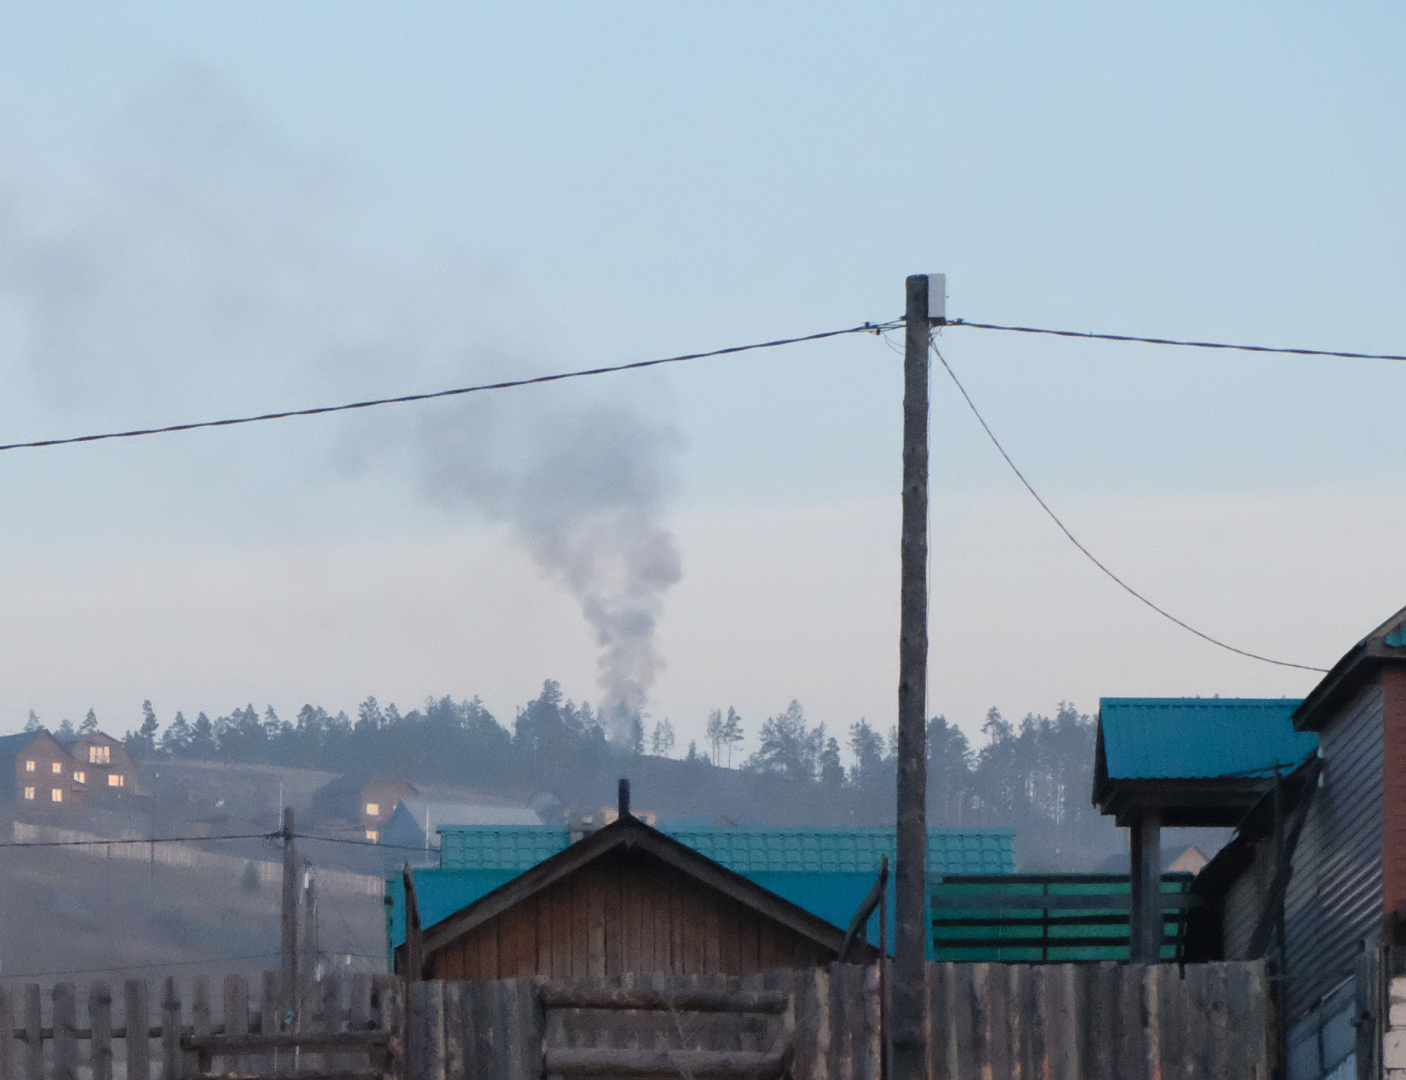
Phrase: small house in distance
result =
(417, 822)
(43, 770)
(628, 899)
(103, 764)
(366, 800)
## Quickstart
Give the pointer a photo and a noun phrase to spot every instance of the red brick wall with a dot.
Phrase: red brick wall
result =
(1393, 789)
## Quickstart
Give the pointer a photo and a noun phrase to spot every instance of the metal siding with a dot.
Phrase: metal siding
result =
(1334, 895)
(1244, 902)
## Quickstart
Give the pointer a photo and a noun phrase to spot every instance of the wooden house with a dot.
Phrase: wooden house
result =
(104, 766)
(45, 774)
(366, 800)
(628, 899)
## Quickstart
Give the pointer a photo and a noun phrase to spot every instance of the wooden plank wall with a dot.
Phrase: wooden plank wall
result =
(627, 912)
(1104, 1021)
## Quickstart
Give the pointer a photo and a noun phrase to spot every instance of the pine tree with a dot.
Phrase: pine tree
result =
(33, 723)
(732, 732)
(89, 726)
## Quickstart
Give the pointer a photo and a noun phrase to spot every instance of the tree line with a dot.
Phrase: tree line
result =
(1033, 775)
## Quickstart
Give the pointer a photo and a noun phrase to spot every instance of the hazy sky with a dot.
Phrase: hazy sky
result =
(219, 208)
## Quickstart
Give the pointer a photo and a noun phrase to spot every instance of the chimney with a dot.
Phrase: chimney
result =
(624, 797)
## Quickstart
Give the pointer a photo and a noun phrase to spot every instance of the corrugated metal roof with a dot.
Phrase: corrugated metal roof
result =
(498, 847)
(746, 850)
(1182, 738)
(754, 850)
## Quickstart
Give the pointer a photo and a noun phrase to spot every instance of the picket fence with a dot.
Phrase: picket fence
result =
(998, 1021)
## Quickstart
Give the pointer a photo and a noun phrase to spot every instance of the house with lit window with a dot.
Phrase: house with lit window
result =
(364, 800)
(45, 773)
(104, 766)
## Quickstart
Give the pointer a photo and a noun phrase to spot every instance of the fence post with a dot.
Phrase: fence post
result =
(100, 1023)
(170, 1031)
(236, 1016)
(426, 1030)
(65, 1032)
(7, 1035)
(137, 1031)
(33, 1033)
(200, 1060)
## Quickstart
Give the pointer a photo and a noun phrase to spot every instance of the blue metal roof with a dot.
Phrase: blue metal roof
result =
(751, 851)
(1184, 738)
(828, 872)
(498, 847)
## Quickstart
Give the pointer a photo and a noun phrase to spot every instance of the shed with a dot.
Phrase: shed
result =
(628, 898)
(827, 872)
(1180, 762)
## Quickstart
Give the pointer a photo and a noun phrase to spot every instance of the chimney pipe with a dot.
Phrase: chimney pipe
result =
(624, 797)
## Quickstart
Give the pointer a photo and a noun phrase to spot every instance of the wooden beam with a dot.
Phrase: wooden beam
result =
(571, 996)
(728, 1064)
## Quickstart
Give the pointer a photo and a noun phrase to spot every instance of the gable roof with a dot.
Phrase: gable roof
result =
(11, 745)
(629, 832)
(411, 816)
(1185, 738)
(1384, 645)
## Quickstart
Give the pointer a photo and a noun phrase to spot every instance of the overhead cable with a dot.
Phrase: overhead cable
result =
(139, 967)
(1088, 554)
(867, 328)
(146, 840)
(1174, 341)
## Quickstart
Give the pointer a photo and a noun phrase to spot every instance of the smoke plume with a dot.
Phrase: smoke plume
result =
(583, 489)
(193, 264)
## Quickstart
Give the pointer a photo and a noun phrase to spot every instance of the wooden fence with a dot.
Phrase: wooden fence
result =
(344, 1028)
(1102, 1021)
(996, 1021)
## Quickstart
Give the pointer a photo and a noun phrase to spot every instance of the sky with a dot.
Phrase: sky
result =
(211, 210)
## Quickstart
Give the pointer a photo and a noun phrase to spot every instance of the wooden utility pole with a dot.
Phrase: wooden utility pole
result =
(289, 1019)
(910, 883)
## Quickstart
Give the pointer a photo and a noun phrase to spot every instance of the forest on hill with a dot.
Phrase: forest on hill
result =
(1033, 776)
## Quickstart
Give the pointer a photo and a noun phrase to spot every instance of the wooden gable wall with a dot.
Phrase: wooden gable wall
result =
(627, 911)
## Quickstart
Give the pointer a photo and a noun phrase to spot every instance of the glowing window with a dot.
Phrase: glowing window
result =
(373, 809)
(29, 793)
(372, 835)
(56, 768)
(80, 777)
(29, 766)
(115, 779)
(99, 755)
(56, 794)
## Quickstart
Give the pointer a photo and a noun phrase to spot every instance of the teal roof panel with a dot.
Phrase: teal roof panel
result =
(1197, 738)
(498, 847)
(750, 851)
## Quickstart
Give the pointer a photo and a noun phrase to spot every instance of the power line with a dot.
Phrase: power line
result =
(404, 398)
(1087, 553)
(1174, 341)
(136, 967)
(148, 840)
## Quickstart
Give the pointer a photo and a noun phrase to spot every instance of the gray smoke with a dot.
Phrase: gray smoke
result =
(193, 264)
(583, 488)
